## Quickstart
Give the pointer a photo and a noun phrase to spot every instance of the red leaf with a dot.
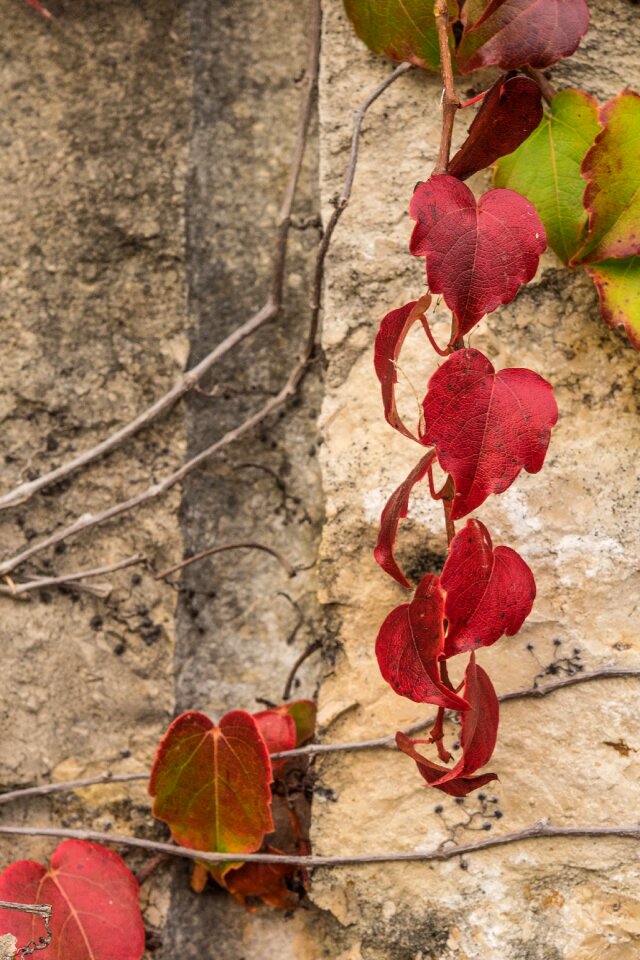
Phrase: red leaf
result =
(211, 784)
(391, 335)
(486, 426)
(478, 255)
(396, 508)
(265, 881)
(94, 897)
(514, 33)
(477, 739)
(41, 10)
(277, 728)
(511, 110)
(287, 726)
(409, 644)
(488, 592)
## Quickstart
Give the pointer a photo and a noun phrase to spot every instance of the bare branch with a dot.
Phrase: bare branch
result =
(210, 551)
(306, 653)
(387, 742)
(88, 521)
(24, 492)
(537, 831)
(18, 590)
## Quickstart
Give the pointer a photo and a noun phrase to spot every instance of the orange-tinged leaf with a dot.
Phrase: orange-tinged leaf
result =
(94, 900)
(618, 285)
(210, 784)
(612, 172)
(303, 713)
(266, 881)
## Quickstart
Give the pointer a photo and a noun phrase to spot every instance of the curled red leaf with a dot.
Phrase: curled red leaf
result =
(395, 510)
(409, 644)
(486, 426)
(489, 592)
(478, 254)
(264, 881)
(511, 110)
(392, 333)
(286, 727)
(477, 739)
(514, 33)
(94, 898)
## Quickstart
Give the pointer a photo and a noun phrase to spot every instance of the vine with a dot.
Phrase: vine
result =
(234, 794)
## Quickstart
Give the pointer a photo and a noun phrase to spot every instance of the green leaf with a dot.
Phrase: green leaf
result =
(546, 169)
(612, 171)
(303, 714)
(400, 29)
(211, 784)
(618, 284)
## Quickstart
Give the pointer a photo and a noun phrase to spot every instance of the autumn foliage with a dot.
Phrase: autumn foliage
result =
(566, 175)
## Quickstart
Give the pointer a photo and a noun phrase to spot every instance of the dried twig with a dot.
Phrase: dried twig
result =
(306, 653)
(19, 590)
(24, 492)
(537, 831)
(88, 521)
(385, 743)
(210, 551)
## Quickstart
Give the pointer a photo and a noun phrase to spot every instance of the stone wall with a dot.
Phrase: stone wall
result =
(145, 148)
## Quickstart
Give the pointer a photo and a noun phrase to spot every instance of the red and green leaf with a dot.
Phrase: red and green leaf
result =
(94, 899)
(517, 33)
(409, 644)
(477, 739)
(489, 592)
(612, 172)
(399, 29)
(546, 169)
(391, 335)
(618, 285)
(395, 510)
(477, 254)
(510, 112)
(486, 426)
(210, 784)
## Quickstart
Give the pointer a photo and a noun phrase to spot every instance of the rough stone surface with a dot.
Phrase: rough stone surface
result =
(572, 757)
(93, 300)
(145, 148)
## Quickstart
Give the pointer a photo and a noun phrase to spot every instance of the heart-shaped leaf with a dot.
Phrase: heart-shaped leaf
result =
(390, 337)
(409, 644)
(486, 426)
(94, 899)
(400, 29)
(618, 285)
(210, 784)
(514, 33)
(510, 111)
(488, 592)
(396, 508)
(612, 171)
(478, 254)
(477, 739)
(546, 169)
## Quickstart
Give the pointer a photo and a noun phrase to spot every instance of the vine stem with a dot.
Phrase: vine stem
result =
(89, 521)
(314, 749)
(450, 101)
(25, 491)
(537, 831)
(211, 551)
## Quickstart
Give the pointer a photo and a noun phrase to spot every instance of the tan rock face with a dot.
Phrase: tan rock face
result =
(571, 758)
